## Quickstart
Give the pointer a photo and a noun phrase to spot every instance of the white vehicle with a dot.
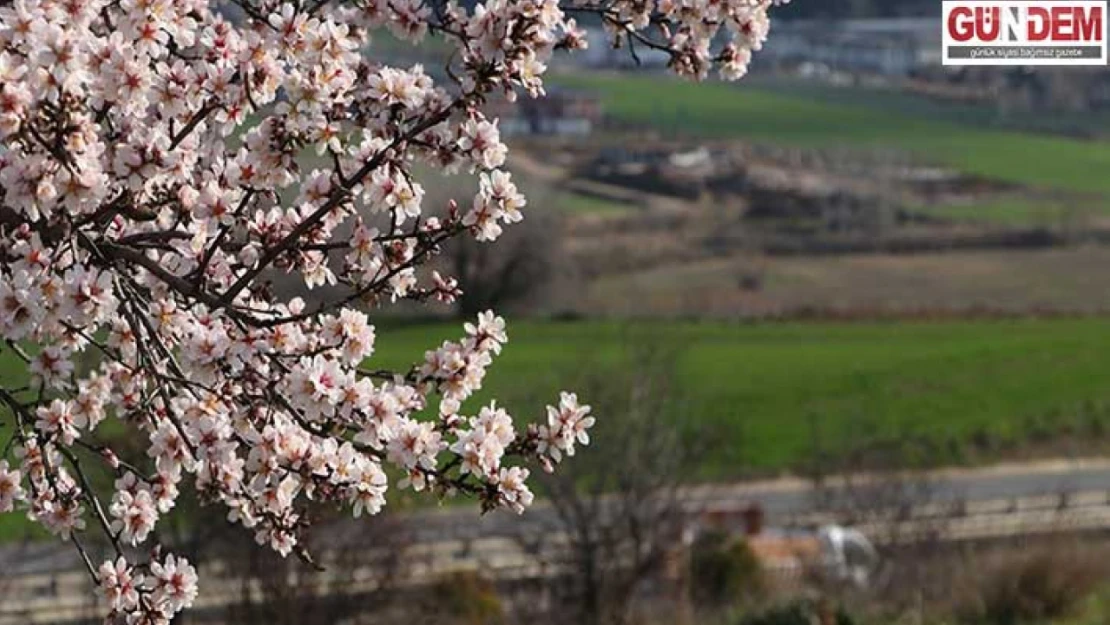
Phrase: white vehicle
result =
(840, 554)
(847, 555)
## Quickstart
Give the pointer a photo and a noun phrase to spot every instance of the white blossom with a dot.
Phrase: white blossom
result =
(153, 196)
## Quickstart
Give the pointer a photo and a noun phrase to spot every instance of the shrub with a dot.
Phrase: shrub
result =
(724, 570)
(1033, 586)
(799, 613)
(467, 599)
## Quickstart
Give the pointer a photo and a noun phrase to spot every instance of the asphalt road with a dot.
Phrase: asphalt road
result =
(780, 499)
(792, 496)
(788, 497)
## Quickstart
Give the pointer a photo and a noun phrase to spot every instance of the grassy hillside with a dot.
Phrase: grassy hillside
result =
(771, 390)
(716, 109)
(1005, 212)
(773, 393)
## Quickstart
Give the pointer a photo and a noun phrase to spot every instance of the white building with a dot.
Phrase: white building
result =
(894, 46)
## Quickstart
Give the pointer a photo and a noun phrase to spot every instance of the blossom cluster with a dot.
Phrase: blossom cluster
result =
(168, 586)
(178, 180)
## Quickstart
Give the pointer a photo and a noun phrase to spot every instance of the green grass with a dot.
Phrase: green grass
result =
(978, 114)
(722, 110)
(775, 393)
(581, 204)
(772, 394)
(16, 527)
(1005, 212)
(1095, 611)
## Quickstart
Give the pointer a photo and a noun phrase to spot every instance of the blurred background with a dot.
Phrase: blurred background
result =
(843, 325)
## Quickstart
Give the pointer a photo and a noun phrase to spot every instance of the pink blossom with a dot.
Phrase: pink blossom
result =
(157, 206)
(173, 584)
(120, 584)
(11, 490)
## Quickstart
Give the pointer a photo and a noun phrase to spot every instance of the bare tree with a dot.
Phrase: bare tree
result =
(516, 271)
(904, 512)
(519, 271)
(620, 507)
(361, 568)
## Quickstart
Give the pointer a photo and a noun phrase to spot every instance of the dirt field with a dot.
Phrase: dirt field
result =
(1071, 280)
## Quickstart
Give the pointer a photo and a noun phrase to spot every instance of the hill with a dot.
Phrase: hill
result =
(777, 394)
(845, 9)
(831, 118)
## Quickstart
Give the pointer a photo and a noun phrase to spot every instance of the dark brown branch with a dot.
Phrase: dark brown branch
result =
(339, 196)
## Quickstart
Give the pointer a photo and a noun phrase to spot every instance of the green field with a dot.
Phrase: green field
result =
(1008, 212)
(771, 115)
(981, 115)
(581, 204)
(773, 394)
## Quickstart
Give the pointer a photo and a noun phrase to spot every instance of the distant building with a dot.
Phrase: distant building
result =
(892, 47)
(562, 112)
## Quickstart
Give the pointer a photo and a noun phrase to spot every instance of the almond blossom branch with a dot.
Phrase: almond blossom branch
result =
(157, 198)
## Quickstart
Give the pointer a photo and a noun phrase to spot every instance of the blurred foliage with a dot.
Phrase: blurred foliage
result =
(1034, 586)
(467, 599)
(799, 613)
(724, 570)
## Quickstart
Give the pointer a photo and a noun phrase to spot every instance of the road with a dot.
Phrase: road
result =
(46, 583)
(781, 499)
(786, 498)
